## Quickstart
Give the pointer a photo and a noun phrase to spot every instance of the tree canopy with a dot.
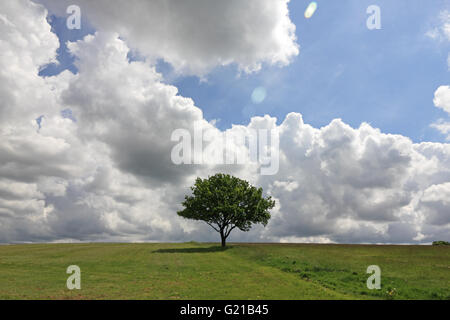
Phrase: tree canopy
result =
(226, 202)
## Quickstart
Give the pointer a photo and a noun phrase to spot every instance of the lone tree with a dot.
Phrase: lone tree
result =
(225, 202)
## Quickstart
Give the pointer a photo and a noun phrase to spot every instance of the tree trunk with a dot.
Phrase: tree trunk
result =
(224, 239)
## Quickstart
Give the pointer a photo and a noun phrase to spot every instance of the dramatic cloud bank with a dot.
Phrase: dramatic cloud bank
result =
(105, 172)
(195, 36)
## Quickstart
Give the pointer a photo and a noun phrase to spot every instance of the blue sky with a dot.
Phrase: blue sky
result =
(384, 77)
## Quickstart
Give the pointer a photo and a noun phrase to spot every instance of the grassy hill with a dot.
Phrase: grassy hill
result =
(205, 271)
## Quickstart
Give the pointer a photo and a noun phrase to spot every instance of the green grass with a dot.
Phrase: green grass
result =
(205, 271)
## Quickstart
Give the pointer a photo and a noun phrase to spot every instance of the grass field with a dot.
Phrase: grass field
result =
(205, 271)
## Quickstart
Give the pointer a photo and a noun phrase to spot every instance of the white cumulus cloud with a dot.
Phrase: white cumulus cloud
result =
(109, 176)
(195, 36)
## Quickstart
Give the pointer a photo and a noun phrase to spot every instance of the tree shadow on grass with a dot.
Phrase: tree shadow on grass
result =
(193, 250)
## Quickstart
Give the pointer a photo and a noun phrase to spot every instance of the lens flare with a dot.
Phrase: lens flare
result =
(310, 10)
(258, 95)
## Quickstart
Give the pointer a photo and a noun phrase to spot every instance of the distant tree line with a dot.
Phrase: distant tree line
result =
(441, 243)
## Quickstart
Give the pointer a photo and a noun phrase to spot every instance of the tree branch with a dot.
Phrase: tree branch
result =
(212, 226)
(229, 231)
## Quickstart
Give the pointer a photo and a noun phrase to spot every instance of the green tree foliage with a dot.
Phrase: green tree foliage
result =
(225, 202)
(441, 243)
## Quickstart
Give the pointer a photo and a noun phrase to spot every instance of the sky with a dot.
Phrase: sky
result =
(385, 77)
(344, 71)
(87, 117)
